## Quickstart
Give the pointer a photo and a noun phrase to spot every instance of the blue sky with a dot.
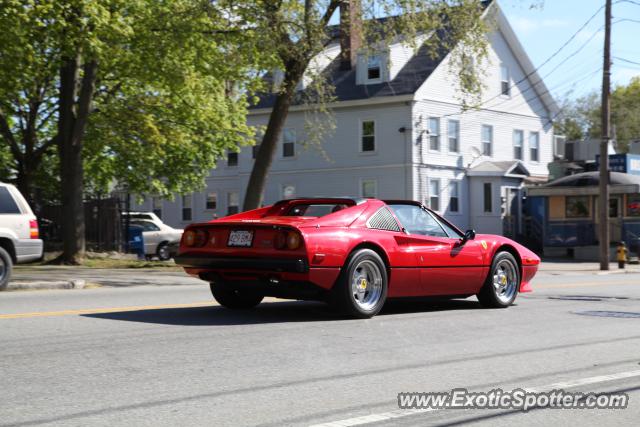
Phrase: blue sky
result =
(544, 29)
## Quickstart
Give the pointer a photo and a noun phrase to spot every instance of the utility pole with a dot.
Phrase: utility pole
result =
(603, 205)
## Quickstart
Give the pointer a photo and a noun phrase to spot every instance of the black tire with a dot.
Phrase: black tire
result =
(163, 252)
(235, 299)
(355, 298)
(501, 289)
(6, 267)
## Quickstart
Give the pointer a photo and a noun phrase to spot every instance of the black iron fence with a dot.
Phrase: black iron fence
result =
(104, 225)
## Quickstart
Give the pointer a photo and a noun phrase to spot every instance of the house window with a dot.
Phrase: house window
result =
(233, 203)
(518, 139)
(454, 136)
(434, 134)
(289, 142)
(186, 207)
(156, 206)
(454, 196)
(254, 151)
(374, 71)
(505, 81)
(534, 143)
(487, 140)
(232, 159)
(369, 188)
(434, 194)
(212, 201)
(368, 142)
(488, 198)
(577, 207)
(288, 191)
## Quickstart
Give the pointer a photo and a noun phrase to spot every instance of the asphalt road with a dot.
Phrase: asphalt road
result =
(166, 355)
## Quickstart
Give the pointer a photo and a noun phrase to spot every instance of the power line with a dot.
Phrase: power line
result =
(626, 60)
(556, 53)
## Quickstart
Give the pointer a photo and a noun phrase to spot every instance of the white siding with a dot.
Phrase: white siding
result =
(443, 86)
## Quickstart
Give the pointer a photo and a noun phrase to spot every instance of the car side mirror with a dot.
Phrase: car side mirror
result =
(469, 235)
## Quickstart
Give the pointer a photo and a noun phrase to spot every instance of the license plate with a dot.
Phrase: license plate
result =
(240, 238)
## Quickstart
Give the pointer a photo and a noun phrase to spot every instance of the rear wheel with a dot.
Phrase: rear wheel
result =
(6, 266)
(501, 287)
(237, 299)
(361, 289)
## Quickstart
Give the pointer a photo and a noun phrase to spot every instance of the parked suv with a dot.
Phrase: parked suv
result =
(19, 237)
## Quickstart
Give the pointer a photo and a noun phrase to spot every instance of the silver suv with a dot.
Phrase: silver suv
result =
(19, 236)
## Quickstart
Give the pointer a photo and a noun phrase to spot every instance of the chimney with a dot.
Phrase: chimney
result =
(350, 33)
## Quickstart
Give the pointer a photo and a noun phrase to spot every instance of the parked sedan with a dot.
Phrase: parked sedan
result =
(157, 240)
(354, 253)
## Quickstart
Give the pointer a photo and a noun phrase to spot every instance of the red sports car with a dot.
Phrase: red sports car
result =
(353, 253)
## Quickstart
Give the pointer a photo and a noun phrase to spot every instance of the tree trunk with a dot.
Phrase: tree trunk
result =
(269, 144)
(72, 123)
(24, 182)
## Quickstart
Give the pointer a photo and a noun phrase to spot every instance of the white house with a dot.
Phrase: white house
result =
(401, 133)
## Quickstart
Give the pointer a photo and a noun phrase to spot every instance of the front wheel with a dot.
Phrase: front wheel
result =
(361, 289)
(501, 287)
(6, 265)
(235, 299)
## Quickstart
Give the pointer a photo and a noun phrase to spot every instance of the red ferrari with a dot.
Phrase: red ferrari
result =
(353, 253)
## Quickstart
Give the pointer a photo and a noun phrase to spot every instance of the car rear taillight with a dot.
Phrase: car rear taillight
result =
(195, 238)
(287, 240)
(34, 233)
(294, 240)
(201, 238)
(281, 240)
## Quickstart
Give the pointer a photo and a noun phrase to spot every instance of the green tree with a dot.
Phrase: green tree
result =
(581, 118)
(137, 91)
(300, 30)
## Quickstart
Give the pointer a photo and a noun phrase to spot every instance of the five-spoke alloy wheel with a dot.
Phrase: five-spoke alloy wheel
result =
(502, 284)
(361, 290)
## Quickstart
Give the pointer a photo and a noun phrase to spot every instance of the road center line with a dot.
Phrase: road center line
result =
(103, 310)
(401, 413)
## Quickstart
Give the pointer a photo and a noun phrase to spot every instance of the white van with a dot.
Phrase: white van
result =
(19, 236)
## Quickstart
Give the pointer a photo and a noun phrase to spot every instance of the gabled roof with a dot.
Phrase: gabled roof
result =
(418, 69)
(408, 80)
(527, 66)
(509, 169)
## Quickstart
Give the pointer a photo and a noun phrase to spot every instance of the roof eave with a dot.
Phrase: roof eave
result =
(521, 55)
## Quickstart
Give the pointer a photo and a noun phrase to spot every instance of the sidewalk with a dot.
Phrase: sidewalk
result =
(572, 267)
(61, 277)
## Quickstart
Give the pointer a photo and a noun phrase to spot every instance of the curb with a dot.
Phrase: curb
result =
(35, 284)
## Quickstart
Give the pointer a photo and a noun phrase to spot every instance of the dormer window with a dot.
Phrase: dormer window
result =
(374, 72)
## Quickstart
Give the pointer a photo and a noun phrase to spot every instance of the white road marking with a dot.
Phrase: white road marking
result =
(401, 413)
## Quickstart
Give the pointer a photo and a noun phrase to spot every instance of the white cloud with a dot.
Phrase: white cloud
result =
(526, 25)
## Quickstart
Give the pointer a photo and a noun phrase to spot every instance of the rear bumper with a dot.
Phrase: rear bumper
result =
(289, 265)
(28, 250)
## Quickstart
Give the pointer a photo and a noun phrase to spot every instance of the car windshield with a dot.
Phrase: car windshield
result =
(417, 220)
(315, 209)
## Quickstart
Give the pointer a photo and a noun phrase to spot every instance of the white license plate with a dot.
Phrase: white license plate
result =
(240, 238)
